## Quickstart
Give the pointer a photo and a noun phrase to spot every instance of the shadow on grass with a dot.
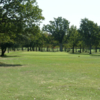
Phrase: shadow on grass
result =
(9, 65)
(98, 55)
(93, 54)
(77, 53)
(5, 56)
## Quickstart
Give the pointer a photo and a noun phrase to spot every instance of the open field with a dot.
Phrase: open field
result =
(49, 76)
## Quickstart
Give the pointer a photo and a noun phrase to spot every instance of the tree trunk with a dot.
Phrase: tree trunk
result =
(3, 50)
(83, 49)
(61, 47)
(90, 48)
(39, 49)
(28, 49)
(96, 49)
(47, 48)
(22, 48)
(73, 49)
(32, 48)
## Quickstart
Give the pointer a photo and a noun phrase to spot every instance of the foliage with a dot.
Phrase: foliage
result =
(57, 28)
(73, 36)
(16, 17)
(89, 32)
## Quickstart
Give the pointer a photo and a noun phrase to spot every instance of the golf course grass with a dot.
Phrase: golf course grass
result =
(49, 76)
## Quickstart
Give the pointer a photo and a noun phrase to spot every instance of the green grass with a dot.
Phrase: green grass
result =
(49, 76)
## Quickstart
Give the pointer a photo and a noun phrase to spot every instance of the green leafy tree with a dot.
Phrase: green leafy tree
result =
(49, 41)
(73, 37)
(89, 32)
(16, 16)
(58, 28)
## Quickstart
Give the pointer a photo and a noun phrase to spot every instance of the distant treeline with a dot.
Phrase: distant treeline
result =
(19, 28)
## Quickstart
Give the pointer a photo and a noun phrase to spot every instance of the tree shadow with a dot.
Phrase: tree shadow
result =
(98, 55)
(9, 65)
(76, 53)
(93, 54)
(5, 56)
(73, 53)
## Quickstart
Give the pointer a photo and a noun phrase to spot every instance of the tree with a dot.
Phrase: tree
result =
(49, 41)
(73, 37)
(32, 34)
(16, 16)
(89, 32)
(58, 28)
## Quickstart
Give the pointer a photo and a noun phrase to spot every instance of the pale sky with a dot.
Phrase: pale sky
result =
(72, 10)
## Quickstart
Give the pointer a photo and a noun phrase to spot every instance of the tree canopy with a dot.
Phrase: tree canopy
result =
(89, 32)
(19, 26)
(15, 17)
(58, 28)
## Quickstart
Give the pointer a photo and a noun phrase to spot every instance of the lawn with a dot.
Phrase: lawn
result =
(49, 76)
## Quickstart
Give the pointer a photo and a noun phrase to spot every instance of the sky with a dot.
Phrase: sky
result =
(72, 10)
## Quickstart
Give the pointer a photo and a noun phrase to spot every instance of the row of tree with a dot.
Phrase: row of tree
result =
(87, 35)
(19, 27)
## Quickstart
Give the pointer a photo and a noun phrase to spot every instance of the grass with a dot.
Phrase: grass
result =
(49, 76)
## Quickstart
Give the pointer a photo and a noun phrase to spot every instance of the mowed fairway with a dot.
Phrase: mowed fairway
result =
(49, 76)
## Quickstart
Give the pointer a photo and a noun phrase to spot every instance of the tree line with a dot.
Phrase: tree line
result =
(87, 35)
(20, 27)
